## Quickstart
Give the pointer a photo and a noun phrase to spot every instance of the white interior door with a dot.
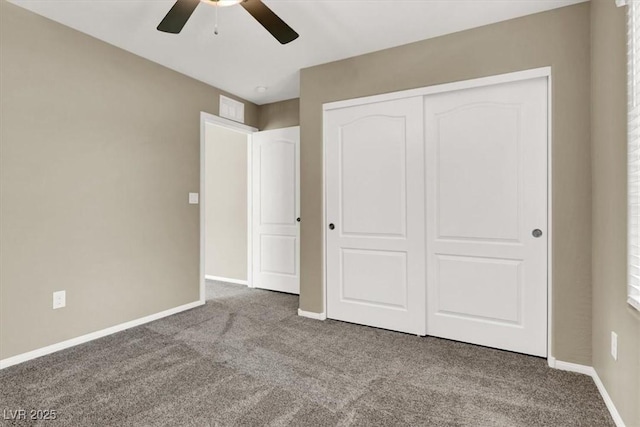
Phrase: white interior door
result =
(486, 194)
(276, 209)
(375, 251)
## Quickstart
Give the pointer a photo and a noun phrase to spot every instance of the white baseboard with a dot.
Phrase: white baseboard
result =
(588, 370)
(312, 315)
(14, 360)
(227, 280)
(574, 367)
(607, 400)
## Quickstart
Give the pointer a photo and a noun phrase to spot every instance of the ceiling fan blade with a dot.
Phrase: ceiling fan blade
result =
(178, 16)
(270, 21)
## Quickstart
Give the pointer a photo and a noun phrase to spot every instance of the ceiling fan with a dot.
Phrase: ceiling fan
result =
(182, 10)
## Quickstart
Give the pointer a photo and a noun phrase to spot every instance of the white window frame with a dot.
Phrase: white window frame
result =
(633, 143)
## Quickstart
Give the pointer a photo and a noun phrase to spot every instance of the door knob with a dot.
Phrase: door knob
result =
(298, 219)
(536, 233)
(331, 226)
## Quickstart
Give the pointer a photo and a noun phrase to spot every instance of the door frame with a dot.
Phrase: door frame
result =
(543, 72)
(207, 118)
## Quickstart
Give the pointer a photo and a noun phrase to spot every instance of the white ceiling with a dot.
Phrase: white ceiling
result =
(244, 56)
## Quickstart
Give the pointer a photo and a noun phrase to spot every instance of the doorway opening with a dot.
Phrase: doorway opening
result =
(249, 206)
(225, 202)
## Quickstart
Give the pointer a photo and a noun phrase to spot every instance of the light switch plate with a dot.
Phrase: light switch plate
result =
(194, 198)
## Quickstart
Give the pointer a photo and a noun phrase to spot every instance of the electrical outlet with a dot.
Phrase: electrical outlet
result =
(194, 198)
(614, 345)
(59, 299)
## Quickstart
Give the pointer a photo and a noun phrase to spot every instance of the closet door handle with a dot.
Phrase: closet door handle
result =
(331, 226)
(536, 233)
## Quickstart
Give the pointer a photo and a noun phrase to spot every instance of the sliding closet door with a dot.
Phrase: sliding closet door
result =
(487, 215)
(375, 223)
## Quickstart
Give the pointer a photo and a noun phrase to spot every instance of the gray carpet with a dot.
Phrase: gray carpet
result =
(246, 358)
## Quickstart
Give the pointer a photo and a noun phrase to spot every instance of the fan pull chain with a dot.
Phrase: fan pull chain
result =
(215, 30)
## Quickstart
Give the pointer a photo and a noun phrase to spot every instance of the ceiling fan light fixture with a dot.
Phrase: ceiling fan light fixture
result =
(181, 11)
(221, 3)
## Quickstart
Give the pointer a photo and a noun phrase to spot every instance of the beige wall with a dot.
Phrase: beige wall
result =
(279, 115)
(225, 203)
(609, 154)
(99, 150)
(559, 38)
